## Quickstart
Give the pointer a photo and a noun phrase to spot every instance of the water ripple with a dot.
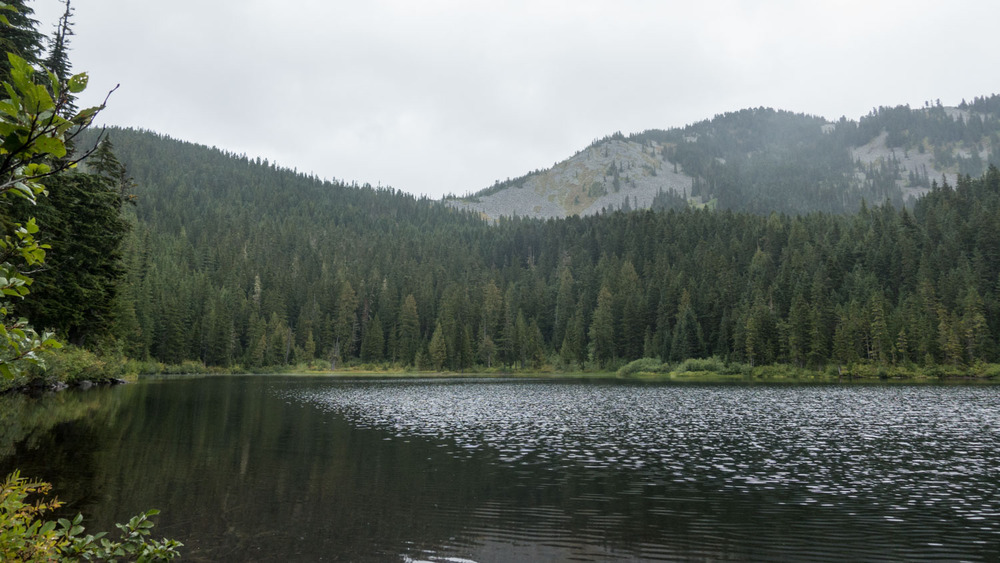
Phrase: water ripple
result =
(894, 458)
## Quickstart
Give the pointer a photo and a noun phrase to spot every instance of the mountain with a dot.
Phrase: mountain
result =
(760, 160)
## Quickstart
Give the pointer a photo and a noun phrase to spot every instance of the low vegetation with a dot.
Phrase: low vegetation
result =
(26, 536)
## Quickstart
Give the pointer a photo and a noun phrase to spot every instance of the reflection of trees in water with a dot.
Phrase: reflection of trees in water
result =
(51, 437)
(24, 419)
(240, 474)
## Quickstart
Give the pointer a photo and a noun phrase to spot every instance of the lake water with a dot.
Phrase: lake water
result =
(319, 469)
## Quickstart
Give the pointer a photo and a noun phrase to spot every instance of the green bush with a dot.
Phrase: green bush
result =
(71, 364)
(25, 536)
(643, 365)
(713, 364)
(987, 371)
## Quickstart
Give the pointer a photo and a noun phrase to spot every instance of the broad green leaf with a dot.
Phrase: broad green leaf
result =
(21, 189)
(78, 82)
(12, 94)
(37, 169)
(51, 145)
(17, 63)
(38, 99)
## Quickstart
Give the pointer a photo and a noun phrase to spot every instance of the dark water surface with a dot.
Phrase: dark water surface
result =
(313, 469)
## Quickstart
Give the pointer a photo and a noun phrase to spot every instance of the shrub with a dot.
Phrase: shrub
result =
(72, 364)
(713, 364)
(988, 371)
(24, 536)
(642, 365)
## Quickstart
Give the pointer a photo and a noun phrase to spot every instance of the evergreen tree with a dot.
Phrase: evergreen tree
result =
(438, 349)
(975, 333)
(602, 329)
(57, 60)
(799, 330)
(687, 338)
(75, 294)
(880, 341)
(21, 37)
(844, 351)
(346, 326)
(409, 331)
(632, 323)
(373, 341)
(565, 304)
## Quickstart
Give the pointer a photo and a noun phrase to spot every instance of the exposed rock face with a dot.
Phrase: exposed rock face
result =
(909, 161)
(609, 175)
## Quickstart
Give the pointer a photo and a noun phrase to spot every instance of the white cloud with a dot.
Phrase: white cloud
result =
(448, 96)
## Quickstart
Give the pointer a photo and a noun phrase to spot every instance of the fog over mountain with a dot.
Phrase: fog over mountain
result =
(760, 160)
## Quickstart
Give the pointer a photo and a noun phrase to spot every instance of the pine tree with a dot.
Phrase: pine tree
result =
(373, 341)
(21, 37)
(409, 331)
(438, 349)
(880, 341)
(466, 354)
(487, 350)
(844, 351)
(534, 345)
(57, 60)
(975, 333)
(522, 351)
(687, 339)
(902, 347)
(565, 303)
(798, 330)
(75, 296)
(820, 327)
(346, 324)
(602, 329)
(309, 349)
(632, 322)
(760, 334)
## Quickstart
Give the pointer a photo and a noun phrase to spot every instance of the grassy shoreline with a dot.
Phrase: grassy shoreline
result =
(72, 366)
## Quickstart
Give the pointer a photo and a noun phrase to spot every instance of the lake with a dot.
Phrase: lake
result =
(260, 468)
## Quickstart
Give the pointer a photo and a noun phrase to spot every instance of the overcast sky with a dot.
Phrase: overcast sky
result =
(442, 96)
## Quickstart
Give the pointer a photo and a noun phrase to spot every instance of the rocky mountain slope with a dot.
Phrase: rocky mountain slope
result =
(760, 160)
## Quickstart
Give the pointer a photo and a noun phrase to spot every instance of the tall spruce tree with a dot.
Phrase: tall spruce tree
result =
(75, 293)
(20, 37)
(57, 59)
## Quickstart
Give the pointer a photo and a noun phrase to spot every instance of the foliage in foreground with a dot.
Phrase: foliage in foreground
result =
(37, 119)
(25, 536)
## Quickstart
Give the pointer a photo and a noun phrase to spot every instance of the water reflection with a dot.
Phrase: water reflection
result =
(256, 468)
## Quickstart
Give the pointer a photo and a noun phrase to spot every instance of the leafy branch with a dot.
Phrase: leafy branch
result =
(37, 122)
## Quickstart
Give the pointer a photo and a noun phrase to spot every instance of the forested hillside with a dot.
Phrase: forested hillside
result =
(232, 261)
(762, 160)
(158, 249)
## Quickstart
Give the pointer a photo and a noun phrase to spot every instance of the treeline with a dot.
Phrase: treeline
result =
(232, 261)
